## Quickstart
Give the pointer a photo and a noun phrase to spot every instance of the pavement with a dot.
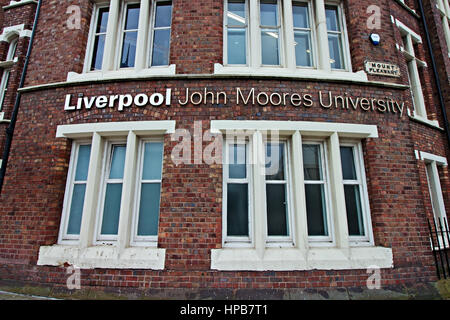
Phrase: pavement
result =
(5, 295)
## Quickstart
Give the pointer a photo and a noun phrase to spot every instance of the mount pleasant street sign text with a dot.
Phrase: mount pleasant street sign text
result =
(324, 99)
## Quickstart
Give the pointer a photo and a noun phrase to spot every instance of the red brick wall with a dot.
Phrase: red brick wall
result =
(191, 204)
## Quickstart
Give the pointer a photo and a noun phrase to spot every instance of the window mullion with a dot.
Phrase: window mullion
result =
(129, 178)
(142, 38)
(337, 192)
(92, 191)
(300, 215)
(111, 36)
(322, 37)
(259, 198)
(289, 36)
(254, 38)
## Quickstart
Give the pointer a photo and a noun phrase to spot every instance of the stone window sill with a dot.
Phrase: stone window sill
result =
(121, 74)
(294, 259)
(307, 74)
(109, 257)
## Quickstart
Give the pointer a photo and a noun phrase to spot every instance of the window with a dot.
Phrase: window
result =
(236, 32)
(290, 202)
(112, 199)
(76, 190)
(409, 47)
(432, 165)
(284, 33)
(130, 35)
(111, 194)
(316, 191)
(303, 34)
(99, 37)
(355, 193)
(334, 30)
(7, 72)
(277, 187)
(161, 34)
(237, 173)
(444, 10)
(148, 192)
(270, 30)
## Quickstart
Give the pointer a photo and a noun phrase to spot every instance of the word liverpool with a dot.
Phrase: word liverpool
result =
(325, 100)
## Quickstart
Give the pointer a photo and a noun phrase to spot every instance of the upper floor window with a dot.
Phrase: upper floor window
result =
(130, 34)
(410, 45)
(7, 71)
(444, 9)
(285, 33)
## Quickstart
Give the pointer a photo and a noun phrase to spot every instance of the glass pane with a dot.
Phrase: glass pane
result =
(111, 211)
(237, 161)
(76, 209)
(149, 209)
(84, 155)
(128, 49)
(117, 162)
(97, 55)
(269, 13)
(102, 23)
(277, 218)
(237, 210)
(275, 161)
(332, 18)
(163, 17)
(161, 47)
(348, 163)
(302, 49)
(132, 19)
(354, 212)
(237, 46)
(153, 157)
(316, 210)
(301, 17)
(334, 42)
(236, 13)
(269, 47)
(312, 163)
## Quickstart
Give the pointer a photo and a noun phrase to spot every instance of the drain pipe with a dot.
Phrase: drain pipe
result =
(436, 75)
(12, 124)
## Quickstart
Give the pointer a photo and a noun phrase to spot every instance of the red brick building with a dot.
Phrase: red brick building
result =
(223, 148)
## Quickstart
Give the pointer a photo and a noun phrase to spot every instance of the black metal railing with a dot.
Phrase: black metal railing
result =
(440, 244)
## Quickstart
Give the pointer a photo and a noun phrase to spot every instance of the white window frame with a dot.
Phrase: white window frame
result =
(419, 112)
(323, 240)
(105, 180)
(282, 241)
(73, 164)
(321, 67)
(92, 36)
(86, 252)
(434, 184)
(346, 61)
(152, 32)
(12, 49)
(345, 254)
(236, 241)
(121, 32)
(313, 32)
(143, 240)
(358, 157)
(247, 35)
(280, 27)
(444, 10)
(113, 45)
